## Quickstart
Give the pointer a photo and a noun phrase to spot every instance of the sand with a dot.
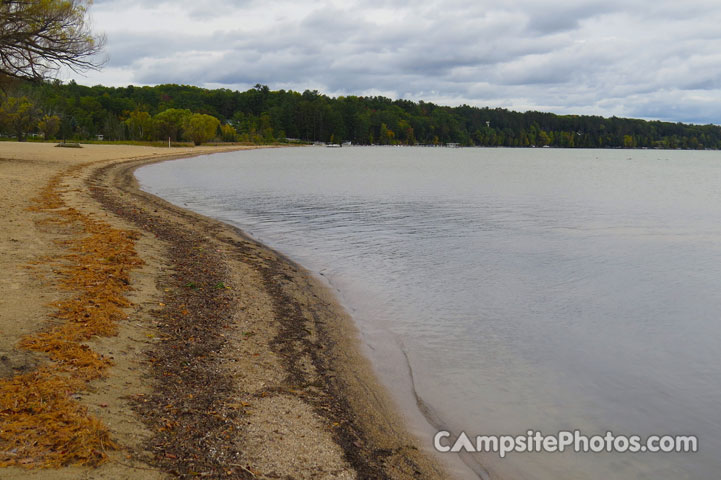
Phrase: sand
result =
(233, 362)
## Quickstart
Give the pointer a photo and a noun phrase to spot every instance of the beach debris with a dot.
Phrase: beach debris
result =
(192, 409)
(42, 424)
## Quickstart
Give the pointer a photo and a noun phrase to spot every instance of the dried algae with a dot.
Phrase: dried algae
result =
(42, 425)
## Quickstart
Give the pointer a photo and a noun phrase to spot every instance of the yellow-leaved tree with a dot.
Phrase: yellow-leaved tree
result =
(201, 128)
(19, 116)
(49, 126)
(40, 36)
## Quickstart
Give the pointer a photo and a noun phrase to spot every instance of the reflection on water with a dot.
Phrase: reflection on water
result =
(530, 289)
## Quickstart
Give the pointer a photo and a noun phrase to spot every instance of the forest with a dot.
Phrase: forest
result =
(69, 111)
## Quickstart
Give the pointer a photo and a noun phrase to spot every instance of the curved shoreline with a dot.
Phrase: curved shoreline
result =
(417, 416)
(316, 332)
(263, 379)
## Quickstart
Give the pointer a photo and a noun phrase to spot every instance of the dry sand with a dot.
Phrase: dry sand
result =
(233, 362)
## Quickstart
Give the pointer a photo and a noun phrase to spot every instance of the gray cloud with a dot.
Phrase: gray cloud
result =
(652, 59)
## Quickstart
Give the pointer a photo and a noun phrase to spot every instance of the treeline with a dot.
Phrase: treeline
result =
(260, 115)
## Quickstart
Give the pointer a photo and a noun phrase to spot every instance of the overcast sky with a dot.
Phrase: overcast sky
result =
(655, 59)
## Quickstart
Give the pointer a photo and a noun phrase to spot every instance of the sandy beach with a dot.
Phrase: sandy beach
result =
(201, 353)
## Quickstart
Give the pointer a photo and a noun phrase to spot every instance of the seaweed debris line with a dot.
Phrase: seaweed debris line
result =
(42, 425)
(230, 361)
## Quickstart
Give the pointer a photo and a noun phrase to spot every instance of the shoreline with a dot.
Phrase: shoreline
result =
(418, 417)
(284, 355)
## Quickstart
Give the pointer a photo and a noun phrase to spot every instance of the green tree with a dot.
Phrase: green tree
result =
(266, 129)
(386, 135)
(169, 123)
(201, 128)
(543, 138)
(19, 116)
(406, 132)
(49, 126)
(113, 129)
(140, 125)
(38, 37)
(260, 115)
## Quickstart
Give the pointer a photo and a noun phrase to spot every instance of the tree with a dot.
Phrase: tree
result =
(140, 125)
(169, 123)
(19, 116)
(201, 127)
(123, 113)
(49, 125)
(38, 37)
(228, 133)
(543, 138)
(386, 136)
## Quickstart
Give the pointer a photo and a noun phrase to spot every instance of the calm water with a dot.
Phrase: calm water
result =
(530, 289)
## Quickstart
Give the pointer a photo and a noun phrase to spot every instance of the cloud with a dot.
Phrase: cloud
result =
(653, 59)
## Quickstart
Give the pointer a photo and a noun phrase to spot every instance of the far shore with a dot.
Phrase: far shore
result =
(231, 361)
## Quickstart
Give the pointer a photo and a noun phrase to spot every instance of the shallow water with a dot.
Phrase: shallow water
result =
(530, 289)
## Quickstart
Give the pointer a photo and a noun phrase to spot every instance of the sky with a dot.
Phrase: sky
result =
(653, 59)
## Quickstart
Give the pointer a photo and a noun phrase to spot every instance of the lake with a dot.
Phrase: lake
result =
(525, 289)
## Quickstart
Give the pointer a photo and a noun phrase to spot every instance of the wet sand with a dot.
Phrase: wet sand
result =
(233, 362)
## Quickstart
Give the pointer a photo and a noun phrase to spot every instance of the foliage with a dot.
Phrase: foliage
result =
(49, 125)
(169, 123)
(18, 115)
(201, 128)
(38, 37)
(228, 133)
(140, 125)
(260, 115)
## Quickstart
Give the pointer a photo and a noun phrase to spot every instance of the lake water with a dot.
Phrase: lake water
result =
(529, 289)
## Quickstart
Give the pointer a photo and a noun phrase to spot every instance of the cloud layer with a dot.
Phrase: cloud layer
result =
(654, 59)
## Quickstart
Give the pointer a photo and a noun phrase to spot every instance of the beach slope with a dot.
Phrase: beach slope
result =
(220, 357)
